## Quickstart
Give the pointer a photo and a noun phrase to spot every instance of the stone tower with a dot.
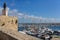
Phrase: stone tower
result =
(4, 11)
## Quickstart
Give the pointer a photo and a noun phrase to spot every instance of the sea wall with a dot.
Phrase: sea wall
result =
(4, 36)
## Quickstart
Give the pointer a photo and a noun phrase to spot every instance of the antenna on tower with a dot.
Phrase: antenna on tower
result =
(4, 5)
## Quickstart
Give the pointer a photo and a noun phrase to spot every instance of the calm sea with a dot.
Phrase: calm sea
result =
(54, 28)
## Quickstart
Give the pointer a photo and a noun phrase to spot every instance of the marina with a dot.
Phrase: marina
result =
(40, 31)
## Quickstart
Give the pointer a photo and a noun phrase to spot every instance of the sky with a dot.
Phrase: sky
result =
(46, 10)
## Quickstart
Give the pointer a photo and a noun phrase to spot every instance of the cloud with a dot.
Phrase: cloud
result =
(1, 10)
(20, 14)
(35, 18)
(15, 12)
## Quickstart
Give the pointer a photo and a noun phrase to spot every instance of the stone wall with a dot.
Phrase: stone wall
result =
(9, 22)
(4, 36)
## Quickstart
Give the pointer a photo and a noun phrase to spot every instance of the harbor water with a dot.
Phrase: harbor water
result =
(54, 28)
